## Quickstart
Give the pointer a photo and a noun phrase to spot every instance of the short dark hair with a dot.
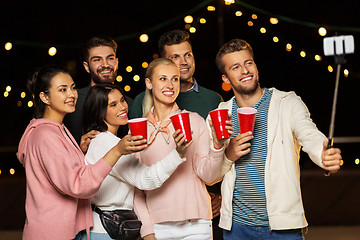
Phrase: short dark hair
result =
(171, 38)
(40, 81)
(234, 45)
(101, 40)
(95, 107)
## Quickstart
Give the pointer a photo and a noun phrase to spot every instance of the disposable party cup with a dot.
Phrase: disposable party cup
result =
(219, 118)
(182, 121)
(138, 126)
(246, 119)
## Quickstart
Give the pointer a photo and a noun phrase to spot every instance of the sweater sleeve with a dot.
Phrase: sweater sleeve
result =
(208, 160)
(136, 108)
(143, 214)
(130, 170)
(64, 165)
(306, 132)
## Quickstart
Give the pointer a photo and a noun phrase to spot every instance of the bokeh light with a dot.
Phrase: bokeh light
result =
(144, 64)
(127, 88)
(274, 20)
(226, 87)
(129, 68)
(211, 8)
(136, 78)
(238, 13)
(52, 51)
(144, 38)
(119, 78)
(188, 19)
(8, 46)
(322, 31)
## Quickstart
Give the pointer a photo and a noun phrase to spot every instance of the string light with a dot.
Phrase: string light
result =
(19, 103)
(229, 2)
(8, 46)
(119, 78)
(136, 78)
(129, 69)
(288, 47)
(30, 104)
(12, 171)
(144, 64)
(322, 31)
(254, 16)
(250, 23)
(275, 39)
(330, 68)
(8, 88)
(226, 87)
(211, 8)
(346, 72)
(127, 88)
(303, 54)
(188, 19)
(23, 95)
(262, 30)
(274, 20)
(317, 57)
(144, 38)
(238, 13)
(192, 30)
(357, 161)
(202, 20)
(6, 94)
(52, 51)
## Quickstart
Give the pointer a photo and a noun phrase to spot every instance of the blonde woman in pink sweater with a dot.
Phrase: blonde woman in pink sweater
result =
(58, 183)
(180, 208)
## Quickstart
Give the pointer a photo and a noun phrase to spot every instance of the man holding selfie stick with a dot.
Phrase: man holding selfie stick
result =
(261, 195)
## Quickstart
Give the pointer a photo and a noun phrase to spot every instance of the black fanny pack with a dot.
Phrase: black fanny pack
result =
(119, 224)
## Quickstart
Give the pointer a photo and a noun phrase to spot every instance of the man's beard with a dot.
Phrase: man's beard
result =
(247, 91)
(97, 80)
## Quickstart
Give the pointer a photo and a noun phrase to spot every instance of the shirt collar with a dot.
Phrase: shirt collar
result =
(194, 87)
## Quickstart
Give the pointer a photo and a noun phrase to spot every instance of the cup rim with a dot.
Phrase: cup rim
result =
(134, 120)
(253, 110)
(219, 109)
(180, 113)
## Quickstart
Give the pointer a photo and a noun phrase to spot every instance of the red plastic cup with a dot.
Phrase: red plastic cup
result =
(219, 118)
(138, 126)
(246, 119)
(182, 121)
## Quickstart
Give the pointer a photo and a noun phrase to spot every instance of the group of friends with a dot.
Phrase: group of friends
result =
(78, 153)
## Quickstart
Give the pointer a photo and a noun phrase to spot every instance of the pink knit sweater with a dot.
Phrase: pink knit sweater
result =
(183, 196)
(58, 183)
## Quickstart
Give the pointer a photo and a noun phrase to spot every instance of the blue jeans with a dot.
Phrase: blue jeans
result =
(78, 236)
(239, 231)
(96, 236)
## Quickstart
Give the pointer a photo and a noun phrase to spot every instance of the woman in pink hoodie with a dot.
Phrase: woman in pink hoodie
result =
(58, 183)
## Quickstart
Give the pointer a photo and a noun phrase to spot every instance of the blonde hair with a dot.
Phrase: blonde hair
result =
(148, 101)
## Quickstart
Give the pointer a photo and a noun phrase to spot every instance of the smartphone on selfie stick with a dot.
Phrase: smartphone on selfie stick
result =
(337, 46)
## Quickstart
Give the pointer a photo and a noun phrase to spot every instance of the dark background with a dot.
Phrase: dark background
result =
(34, 26)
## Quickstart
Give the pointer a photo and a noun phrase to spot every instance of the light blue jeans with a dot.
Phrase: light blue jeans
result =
(239, 231)
(195, 229)
(96, 236)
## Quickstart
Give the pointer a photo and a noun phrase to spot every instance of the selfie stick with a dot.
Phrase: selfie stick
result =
(337, 47)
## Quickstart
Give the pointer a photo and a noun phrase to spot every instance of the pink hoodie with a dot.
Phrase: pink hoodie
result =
(58, 184)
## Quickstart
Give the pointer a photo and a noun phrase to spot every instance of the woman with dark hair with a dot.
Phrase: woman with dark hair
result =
(58, 182)
(105, 110)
